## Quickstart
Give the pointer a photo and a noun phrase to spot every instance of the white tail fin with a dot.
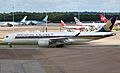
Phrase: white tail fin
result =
(45, 19)
(24, 19)
(77, 21)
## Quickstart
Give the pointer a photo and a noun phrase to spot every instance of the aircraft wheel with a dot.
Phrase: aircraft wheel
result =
(10, 45)
(60, 46)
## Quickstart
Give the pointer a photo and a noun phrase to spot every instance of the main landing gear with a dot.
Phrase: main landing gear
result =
(60, 46)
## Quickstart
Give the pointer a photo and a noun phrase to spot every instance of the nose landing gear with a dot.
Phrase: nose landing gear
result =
(10, 45)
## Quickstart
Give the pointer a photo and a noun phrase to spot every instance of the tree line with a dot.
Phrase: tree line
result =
(57, 16)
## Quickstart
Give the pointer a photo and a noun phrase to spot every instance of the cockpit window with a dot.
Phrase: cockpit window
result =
(6, 36)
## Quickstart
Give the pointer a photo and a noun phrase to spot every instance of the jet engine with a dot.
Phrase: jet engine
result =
(68, 41)
(58, 43)
(44, 43)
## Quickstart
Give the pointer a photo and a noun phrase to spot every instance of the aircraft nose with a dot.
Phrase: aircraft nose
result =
(113, 34)
(5, 40)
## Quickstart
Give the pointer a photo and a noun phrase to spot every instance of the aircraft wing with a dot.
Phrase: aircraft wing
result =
(62, 40)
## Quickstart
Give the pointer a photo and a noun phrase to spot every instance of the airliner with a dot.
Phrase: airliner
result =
(15, 23)
(59, 39)
(94, 26)
(104, 19)
(74, 28)
(82, 26)
(35, 22)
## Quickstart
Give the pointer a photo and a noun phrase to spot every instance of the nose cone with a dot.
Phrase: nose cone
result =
(6, 40)
(113, 34)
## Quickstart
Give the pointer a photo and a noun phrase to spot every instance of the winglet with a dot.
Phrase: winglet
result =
(77, 34)
(109, 25)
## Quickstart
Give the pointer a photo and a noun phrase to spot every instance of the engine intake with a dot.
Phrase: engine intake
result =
(44, 43)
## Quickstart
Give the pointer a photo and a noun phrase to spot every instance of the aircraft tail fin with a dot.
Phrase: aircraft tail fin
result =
(24, 19)
(63, 24)
(109, 25)
(77, 21)
(103, 18)
(45, 19)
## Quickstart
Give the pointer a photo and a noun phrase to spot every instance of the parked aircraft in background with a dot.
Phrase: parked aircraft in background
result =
(71, 28)
(77, 21)
(35, 22)
(9, 24)
(94, 26)
(104, 19)
(74, 28)
(59, 39)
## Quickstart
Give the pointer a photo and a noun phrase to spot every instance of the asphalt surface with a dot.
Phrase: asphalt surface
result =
(70, 59)
(100, 56)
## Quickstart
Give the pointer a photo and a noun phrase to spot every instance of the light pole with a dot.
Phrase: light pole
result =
(13, 14)
(4, 16)
(46, 23)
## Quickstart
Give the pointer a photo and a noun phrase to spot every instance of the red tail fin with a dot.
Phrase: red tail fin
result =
(63, 24)
(103, 18)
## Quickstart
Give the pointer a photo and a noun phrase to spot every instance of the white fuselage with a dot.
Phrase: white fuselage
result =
(30, 22)
(86, 26)
(96, 25)
(30, 37)
(117, 22)
(12, 23)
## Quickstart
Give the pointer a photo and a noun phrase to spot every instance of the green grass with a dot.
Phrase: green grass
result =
(3, 44)
(116, 28)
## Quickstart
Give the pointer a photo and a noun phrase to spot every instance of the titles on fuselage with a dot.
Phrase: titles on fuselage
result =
(46, 34)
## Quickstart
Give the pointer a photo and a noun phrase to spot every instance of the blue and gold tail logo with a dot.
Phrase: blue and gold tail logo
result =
(109, 25)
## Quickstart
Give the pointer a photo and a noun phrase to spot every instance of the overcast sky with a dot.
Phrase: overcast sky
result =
(60, 5)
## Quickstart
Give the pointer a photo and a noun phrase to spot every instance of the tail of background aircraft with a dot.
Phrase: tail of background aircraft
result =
(24, 19)
(77, 21)
(63, 24)
(45, 19)
(109, 25)
(103, 18)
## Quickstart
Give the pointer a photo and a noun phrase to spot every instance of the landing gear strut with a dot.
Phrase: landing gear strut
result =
(60, 46)
(10, 45)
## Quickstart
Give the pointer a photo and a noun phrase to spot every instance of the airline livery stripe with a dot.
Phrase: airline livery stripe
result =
(82, 36)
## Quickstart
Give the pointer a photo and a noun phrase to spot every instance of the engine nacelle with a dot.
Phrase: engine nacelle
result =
(44, 43)
(68, 41)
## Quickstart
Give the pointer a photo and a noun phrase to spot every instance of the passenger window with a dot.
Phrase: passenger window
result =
(6, 36)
